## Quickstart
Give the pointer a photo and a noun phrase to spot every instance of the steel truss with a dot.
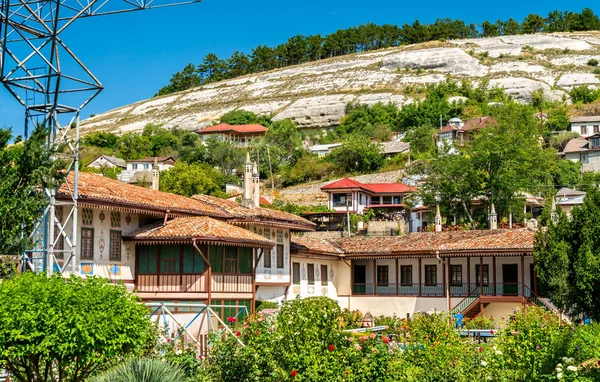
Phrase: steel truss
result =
(32, 58)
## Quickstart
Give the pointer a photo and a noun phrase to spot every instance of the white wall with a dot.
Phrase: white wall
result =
(328, 289)
(273, 274)
(577, 127)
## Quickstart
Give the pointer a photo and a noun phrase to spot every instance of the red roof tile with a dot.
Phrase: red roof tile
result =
(314, 245)
(202, 228)
(478, 123)
(152, 159)
(97, 188)
(373, 188)
(448, 128)
(241, 129)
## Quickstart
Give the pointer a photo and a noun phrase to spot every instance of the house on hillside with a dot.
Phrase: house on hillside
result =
(239, 135)
(480, 272)
(139, 171)
(393, 148)
(568, 198)
(106, 161)
(585, 126)
(585, 150)
(458, 132)
(322, 150)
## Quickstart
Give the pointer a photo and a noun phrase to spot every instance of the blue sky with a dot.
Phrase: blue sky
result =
(134, 54)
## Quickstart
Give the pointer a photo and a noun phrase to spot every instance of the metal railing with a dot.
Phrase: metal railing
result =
(439, 289)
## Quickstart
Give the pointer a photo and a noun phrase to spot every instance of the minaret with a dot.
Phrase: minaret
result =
(493, 218)
(553, 214)
(438, 220)
(256, 185)
(248, 194)
(155, 175)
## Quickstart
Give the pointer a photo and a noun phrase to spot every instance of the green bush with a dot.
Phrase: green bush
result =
(142, 370)
(592, 62)
(584, 94)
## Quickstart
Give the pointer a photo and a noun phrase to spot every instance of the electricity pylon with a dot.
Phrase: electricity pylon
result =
(32, 58)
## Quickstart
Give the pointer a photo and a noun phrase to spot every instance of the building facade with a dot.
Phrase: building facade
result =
(585, 126)
(140, 170)
(239, 135)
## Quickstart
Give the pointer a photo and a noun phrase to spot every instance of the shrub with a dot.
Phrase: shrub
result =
(71, 326)
(592, 62)
(596, 71)
(146, 370)
(583, 94)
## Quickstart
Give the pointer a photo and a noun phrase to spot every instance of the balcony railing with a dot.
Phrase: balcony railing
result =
(438, 290)
(194, 283)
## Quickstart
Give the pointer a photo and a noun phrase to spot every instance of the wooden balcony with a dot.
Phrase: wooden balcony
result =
(194, 283)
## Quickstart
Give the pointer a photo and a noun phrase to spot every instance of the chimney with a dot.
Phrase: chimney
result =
(438, 220)
(248, 192)
(256, 185)
(493, 218)
(155, 175)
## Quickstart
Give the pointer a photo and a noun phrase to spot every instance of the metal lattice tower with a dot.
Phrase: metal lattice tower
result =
(32, 58)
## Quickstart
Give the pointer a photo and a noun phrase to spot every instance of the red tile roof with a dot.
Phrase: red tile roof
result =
(240, 214)
(201, 228)
(99, 189)
(314, 245)
(240, 129)
(478, 123)
(448, 243)
(448, 128)
(372, 188)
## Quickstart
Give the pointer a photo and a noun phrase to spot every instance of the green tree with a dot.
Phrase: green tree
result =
(532, 24)
(568, 260)
(25, 170)
(186, 79)
(244, 117)
(357, 154)
(133, 146)
(568, 173)
(365, 119)
(584, 94)
(421, 140)
(511, 27)
(223, 155)
(284, 141)
(191, 179)
(212, 69)
(489, 29)
(101, 139)
(57, 329)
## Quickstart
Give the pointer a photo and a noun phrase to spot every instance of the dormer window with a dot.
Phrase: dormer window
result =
(595, 143)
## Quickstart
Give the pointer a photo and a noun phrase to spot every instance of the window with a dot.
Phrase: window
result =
(193, 263)
(59, 244)
(296, 273)
(382, 275)
(595, 142)
(406, 275)
(431, 275)
(146, 166)
(311, 274)
(585, 158)
(87, 243)
(596, 129)
(216, 258)
(339, 200)
(397, 199)
(387, 200)
(584, 130)
(324, 275)
(115, 219)
(245, 261)
(455, 275)
(147, 259)
(169, 260)
(115, 246)
(267, 258)
(279, 256)
(87, 216)
(486, 275)
(231, 260)
(134, 166)
(280, 236)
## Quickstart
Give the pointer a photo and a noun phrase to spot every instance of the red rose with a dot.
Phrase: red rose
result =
(293, 373)
(331, 347)
(385, 340)
(230, 319)
(238, 334)
(480, 350)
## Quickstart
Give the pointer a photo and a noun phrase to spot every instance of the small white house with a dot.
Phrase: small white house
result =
(585, 150)
(105, 161)
(322, 150)
(146, 165)
(585, 126)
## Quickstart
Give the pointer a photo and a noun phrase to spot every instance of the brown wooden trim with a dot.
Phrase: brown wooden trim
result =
(254, 287)
(468, 276)
(494, 270)
(397, 277)
(481, 275)
(443, 279)
(419, 278)
(351, 277)
(272, 284)
(523, 274)
(136, 267)
(208, 265)
(374, 276)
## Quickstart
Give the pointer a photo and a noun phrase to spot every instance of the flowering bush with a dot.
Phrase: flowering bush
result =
(479, 322)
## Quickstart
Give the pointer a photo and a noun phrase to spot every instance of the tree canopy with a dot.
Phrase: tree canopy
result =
(58, 329)
(567, 259)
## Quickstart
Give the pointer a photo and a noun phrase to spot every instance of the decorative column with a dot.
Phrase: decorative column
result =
(493, 218)
(438, 220)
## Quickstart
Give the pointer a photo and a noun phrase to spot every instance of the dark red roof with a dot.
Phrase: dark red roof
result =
(241, 129)
(372, 188)
(448, 128)
(478, 123)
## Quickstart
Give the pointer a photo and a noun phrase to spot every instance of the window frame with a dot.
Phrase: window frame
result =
(310, 276)
(267, 258)
(91, 240)
(383, 275)
(111, 256)
(486, 274)
(324, 276)
(403, 268)
(280, 256)
(456, 278)
(295, 273)
(428, 274)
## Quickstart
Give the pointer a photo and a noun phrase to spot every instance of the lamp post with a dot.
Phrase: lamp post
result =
(448, 299)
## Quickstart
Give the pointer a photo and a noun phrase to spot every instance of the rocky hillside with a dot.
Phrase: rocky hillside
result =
(315, 94)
